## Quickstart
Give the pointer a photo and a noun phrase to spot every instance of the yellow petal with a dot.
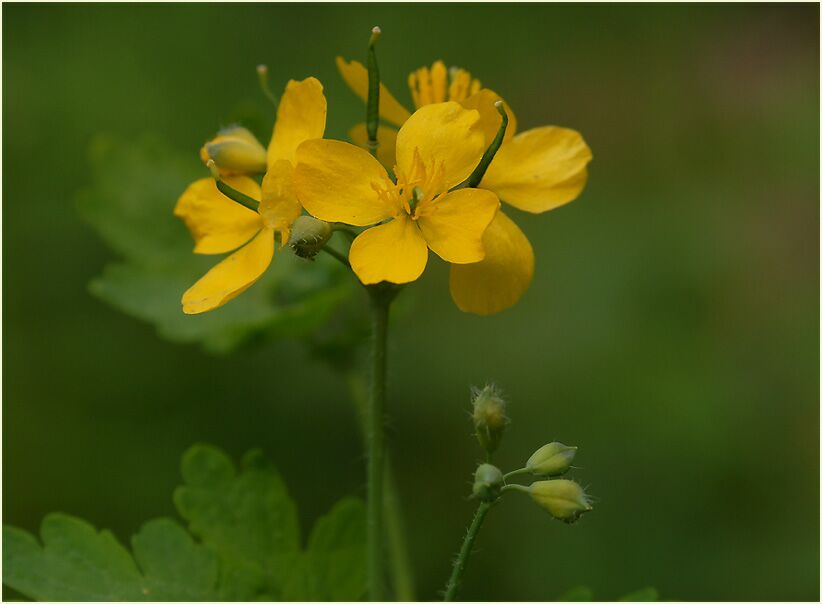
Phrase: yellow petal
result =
(443, 133)
(490, 119)
(394, 252)
(356, 76)
(454, 223)
(216, 223)
(539, 169)
(300, 117)
(499, 281)
(386, 137)
(232, 276)
(279, 206)
(334, 182)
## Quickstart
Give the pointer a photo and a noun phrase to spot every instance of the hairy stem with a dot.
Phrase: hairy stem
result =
(455, 581)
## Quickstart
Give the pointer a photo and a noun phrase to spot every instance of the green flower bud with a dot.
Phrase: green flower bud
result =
(487, 482)
(489, 417)
(564, 499)
(308, 236)
(553, 459)
(235, 151)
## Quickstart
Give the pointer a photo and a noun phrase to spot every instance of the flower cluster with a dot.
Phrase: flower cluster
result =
(409, 195)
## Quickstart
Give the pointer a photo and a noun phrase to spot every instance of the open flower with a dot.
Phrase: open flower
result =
(220, 225)
(535, 171)
(437, 148)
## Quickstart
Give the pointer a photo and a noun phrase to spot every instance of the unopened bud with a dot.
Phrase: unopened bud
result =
(308, 236)
(553, 459)
(235, 151)
(564, 499)
(488, 482)
(489, 417)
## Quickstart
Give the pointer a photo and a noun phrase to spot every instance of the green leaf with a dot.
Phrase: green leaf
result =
(646, 594)
(577, 594)
(334, 567)
(130, 204)
(76, 562)
(250, 548)
(248, 517)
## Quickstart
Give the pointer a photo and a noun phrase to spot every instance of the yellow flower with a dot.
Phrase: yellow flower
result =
(535, 171)
(437, 148)
(220, 225)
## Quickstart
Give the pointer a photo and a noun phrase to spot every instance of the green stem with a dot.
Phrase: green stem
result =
(335, 254)
(403, 578)
(380, 304)
(372, 110)
(235, 195)
(516, 473)
(454, 582)
(476, 176)
(515, 487)
(400, 570)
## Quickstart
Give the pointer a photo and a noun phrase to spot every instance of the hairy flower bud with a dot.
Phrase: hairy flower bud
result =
(564, 499)
(308, 236)
(489, 417)
(553, 459)
(235, 151)
(488, 482)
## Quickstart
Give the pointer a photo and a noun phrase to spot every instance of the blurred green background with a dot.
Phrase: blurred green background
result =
(671, 330)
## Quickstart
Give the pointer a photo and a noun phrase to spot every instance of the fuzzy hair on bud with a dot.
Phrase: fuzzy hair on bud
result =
(489, 417)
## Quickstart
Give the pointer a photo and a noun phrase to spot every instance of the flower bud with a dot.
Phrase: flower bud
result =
(564, 499)
(487, 482)
(308, 236)
(489, 417)
(235, 151)
(553, 459)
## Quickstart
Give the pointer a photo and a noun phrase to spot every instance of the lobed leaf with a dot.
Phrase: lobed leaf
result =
(130, 204)
(249, 546)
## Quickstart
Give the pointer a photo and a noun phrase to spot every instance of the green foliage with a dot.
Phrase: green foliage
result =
(130, 204)
(78, 563)
(646, 594)
(585, 594)
(249, 546)
(577, 594)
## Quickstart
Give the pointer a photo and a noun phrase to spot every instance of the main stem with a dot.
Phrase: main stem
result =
(380, 304)
(454, 582)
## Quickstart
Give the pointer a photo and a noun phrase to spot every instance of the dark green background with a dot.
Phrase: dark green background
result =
(671, 330)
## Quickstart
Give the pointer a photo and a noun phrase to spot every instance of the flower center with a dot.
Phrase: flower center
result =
(415, 193)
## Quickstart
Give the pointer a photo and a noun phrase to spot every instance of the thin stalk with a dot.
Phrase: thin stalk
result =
(455, 581)
(476, 176)
(516, 473)
(337, 255)
(401, 574)
(372, 109)
(380, 304)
